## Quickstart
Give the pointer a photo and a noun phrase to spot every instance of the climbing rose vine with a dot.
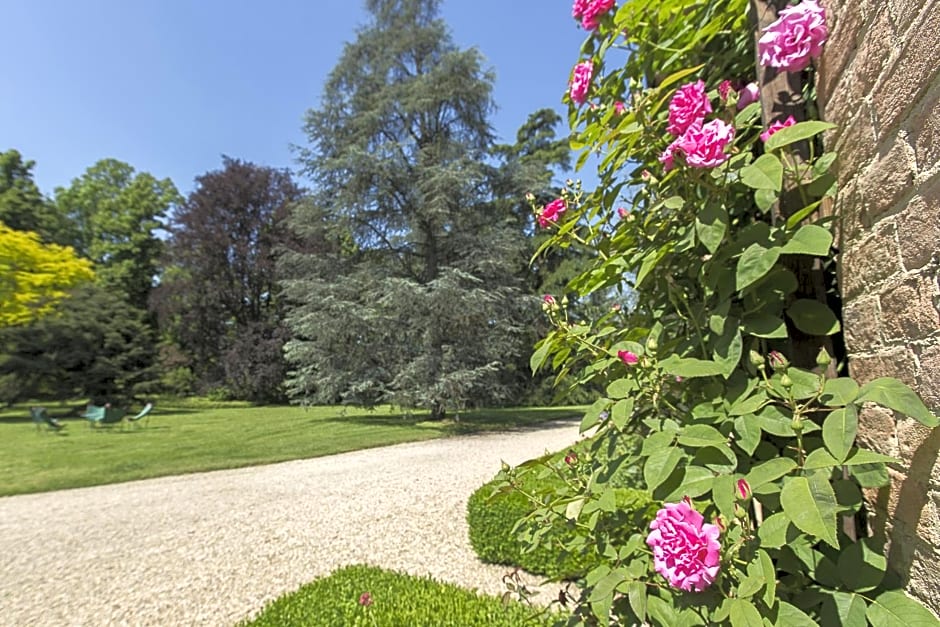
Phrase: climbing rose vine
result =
(746, 445)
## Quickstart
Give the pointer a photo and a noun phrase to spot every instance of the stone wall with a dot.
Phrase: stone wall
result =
(879, 82)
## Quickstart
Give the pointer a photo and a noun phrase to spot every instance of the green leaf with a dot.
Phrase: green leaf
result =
(720, 459)
(795, 133)
(813, 317)
(636, 593)
(621, 388)
(696, 481)
(765, 198)
(839, 431)
(841, 391)
(820, 458)
(749, 405)
(745, 614)
(811, 239)
(774, 421)
(728, 349)
(800, 215)
(723, 494)
(621, 413)
(770, 577)
(538, 357)
(896, 609)
(753, 264)
(657, 441)
(773, 531)
(689, 367)
(748, 434)
(863, 456)
(766, 326)
(711, 223)
(871, 475)
(658, 467)
(893, 394)
(765, 173)
(593, 414)
(844, 609)
(770, 470)
(700, 435)
(861, 567)
(791, 616)
(810, 504)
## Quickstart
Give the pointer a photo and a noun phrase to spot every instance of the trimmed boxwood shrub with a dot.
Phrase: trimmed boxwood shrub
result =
(493, 514)
(396, 599)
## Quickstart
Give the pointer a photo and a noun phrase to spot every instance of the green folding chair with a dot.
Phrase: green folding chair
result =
(144, 413)
(41, 417)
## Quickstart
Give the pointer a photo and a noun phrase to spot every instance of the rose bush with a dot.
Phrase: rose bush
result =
(749, 443)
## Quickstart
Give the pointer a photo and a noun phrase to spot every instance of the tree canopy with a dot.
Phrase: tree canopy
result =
(418, 304)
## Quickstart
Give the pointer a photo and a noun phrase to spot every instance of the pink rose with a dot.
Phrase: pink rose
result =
(622, 212)
(749, 94)
(590, 11)
(668, 158)
(551, 212)
(744, 489)
(795, 38)
(571, 458)
(688, 105)
(724, 89)
(619, 107)
(628, 358)
(365, 599)
(775, 126)
(581, 81)
(704, 146)
(685, 551)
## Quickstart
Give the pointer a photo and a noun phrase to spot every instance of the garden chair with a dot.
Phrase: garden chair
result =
(41, 417)
(144, 413)
(94, 414)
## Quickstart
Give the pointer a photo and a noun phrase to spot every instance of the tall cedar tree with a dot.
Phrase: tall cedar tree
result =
(219, 300)
(22, 205)
(416, 302)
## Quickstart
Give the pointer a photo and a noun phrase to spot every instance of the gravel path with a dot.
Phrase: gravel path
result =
(212, 548)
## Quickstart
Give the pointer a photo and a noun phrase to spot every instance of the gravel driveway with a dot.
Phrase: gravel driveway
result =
(212, 548)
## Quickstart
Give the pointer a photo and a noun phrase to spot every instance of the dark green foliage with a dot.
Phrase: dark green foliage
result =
(493, 514)
(416, 301)
(22, 205)
(397, 599)
(94, 345)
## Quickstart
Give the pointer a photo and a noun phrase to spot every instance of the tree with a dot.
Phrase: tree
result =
(219, 302)
(33, 276)
(22, 205)
(92, 344)
(418, 304)
(116, 213)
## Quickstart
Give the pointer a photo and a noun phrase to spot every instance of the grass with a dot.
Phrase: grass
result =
(195, 435)
(393, 599)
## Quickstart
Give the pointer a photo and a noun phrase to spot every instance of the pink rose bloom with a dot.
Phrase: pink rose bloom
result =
(724, 89)
(668, 158)
(548, 299)
(775, 126)
(749, 94)
(628, 358)
(744, 489)
(704, 146)
(795, 38)
(551, 212)
(622, 212)
(685, 551)
(590, 11)
(581, 81)
(619, 107)
(688, 106)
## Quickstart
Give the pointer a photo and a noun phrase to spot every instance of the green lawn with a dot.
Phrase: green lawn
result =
(196, 435)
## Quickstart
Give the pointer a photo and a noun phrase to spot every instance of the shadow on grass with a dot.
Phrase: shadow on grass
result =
(472, 422)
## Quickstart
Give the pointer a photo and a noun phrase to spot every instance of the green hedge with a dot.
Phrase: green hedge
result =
(492, 515)
(397, 599)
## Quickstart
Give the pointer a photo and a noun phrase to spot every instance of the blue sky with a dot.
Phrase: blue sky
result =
(171, 85)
